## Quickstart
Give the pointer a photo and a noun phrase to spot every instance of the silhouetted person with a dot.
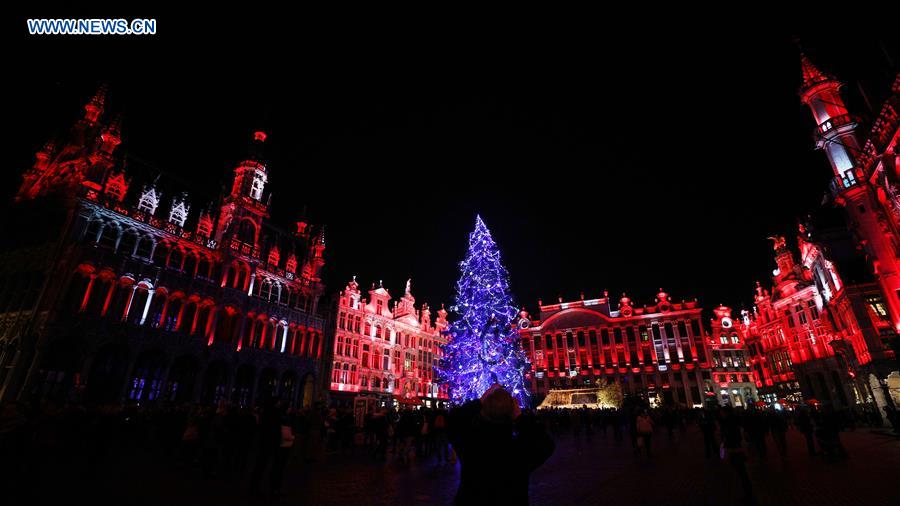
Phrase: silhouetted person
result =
(756, 427)
(779, 432)
(498, 448)
(268, 442)
(805, 425)
(643, 427)
(708, 427)
(283, 452)
(737, 455)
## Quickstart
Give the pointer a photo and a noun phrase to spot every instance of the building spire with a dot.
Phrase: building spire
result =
(811, 74)
(94, 108)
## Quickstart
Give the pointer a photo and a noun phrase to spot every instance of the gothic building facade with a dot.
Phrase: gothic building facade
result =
(130, 296)
(386, 354)
(863, 157)
(817, 336)
(657, 352)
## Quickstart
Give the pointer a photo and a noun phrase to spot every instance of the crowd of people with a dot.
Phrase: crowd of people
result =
(254, 444)
(730, 434)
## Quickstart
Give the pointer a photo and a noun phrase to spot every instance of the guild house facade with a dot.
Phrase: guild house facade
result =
(119, 291)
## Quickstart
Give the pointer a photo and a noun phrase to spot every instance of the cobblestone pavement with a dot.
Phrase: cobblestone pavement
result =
(599, 472)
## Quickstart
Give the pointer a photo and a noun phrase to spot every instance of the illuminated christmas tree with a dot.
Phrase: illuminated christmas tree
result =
(483, 347)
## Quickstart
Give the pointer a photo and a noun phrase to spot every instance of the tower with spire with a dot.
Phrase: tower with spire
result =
(857, 184)
(82, 162)
(244, 208)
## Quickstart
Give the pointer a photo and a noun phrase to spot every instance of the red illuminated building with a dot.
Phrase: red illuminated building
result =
(814, 336)
(793, 341)
(657, 351)
(865, 174)
(733, 382)
(386, 354)
(117, 293)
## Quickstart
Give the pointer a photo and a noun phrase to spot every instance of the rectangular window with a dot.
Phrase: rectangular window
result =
(695, 328)
(813, 310)
(604, 337)
(701, 351)
(648, 355)
(801, 314)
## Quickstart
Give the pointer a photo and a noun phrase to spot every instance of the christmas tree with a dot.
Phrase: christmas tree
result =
(483, 347)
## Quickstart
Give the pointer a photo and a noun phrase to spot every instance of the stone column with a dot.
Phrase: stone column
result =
(150, 294)
(87, 293)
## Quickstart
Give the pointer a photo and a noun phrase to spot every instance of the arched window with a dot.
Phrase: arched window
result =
(312, 344)
(175, 259)
(258, 329)
(138, 303)
(160, 254)
(190, 264)
(144, 247)
(109, 237)
(92, 234)
(240, 276)
(262, 287)
(128, 243)
(172, 311)
(203, 268)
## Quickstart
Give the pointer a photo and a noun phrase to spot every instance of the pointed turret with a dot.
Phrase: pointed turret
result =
(205, 224)
(94, 108)
(811, 74)
(111, 136)
(316, 258)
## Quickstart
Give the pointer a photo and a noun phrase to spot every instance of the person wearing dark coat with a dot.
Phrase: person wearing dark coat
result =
(268, 442)
(498, 447)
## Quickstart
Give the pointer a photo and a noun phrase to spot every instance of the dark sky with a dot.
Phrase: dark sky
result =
(624, 160)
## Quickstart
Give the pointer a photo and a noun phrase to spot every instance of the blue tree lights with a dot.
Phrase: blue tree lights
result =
(483, 347)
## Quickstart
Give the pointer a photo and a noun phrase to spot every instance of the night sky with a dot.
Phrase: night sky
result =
(601, 161)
